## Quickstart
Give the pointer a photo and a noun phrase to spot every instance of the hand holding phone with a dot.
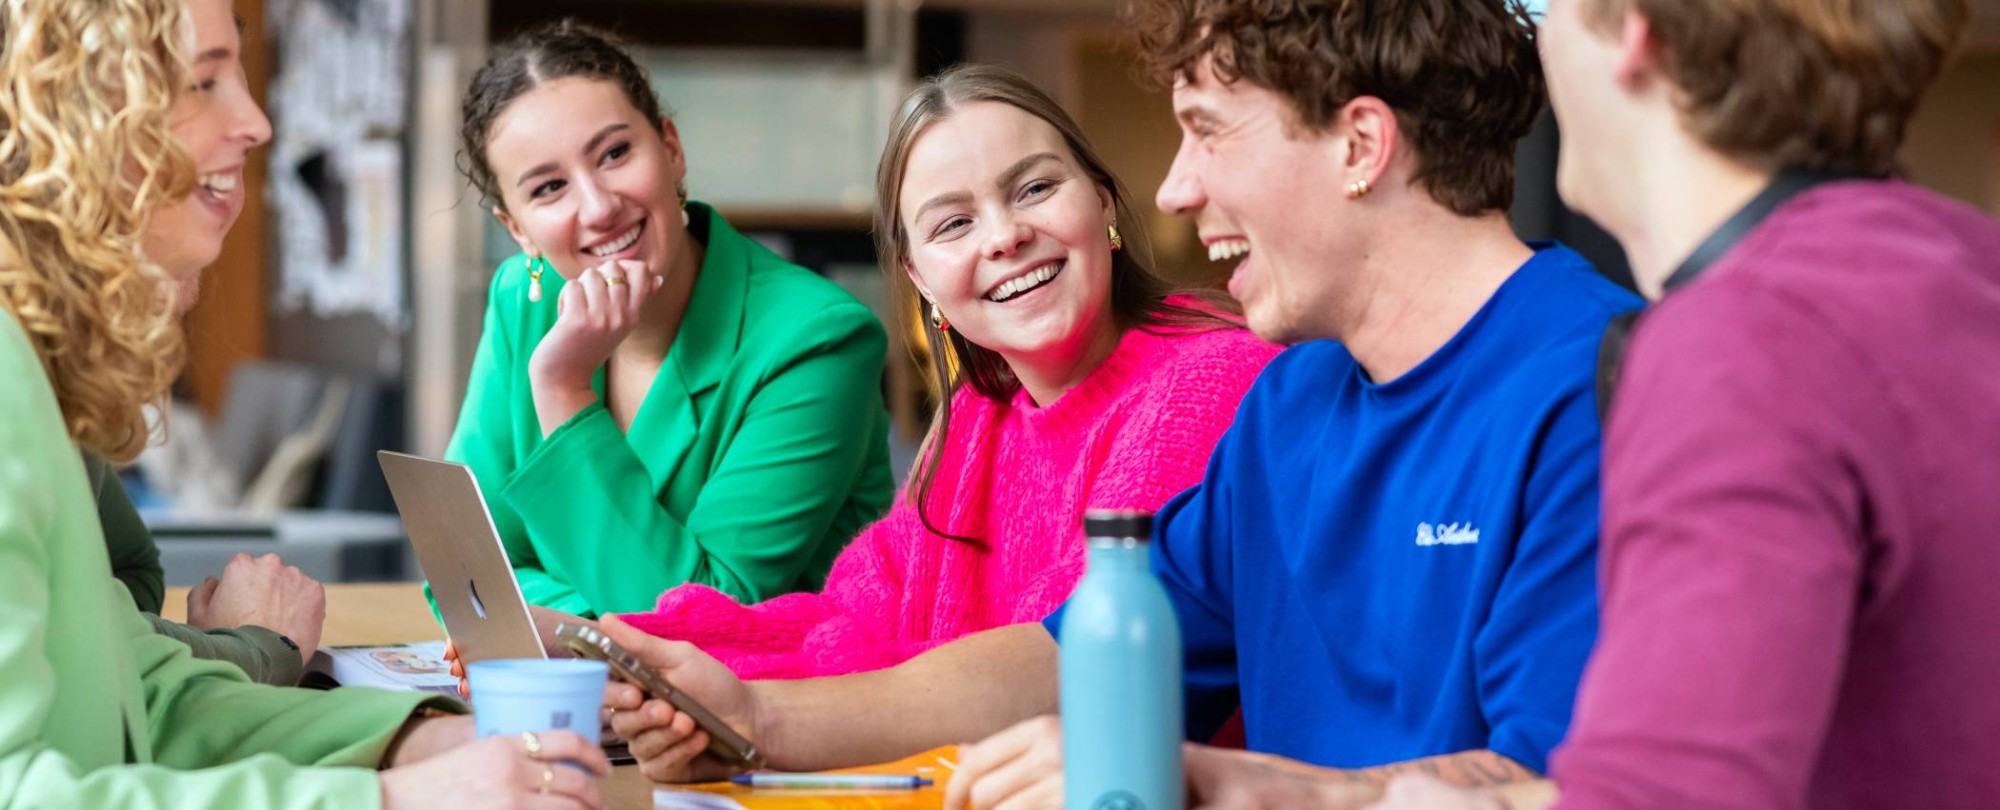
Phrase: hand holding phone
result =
(724, 742)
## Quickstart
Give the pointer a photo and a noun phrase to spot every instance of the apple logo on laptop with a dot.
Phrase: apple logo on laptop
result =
(478, 607)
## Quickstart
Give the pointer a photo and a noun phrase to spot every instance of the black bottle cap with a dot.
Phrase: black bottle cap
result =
(1117, 523)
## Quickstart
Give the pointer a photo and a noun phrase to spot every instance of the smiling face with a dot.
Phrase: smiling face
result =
(218, 122)
(1007, 233)
(1263, 195)
(586, 179)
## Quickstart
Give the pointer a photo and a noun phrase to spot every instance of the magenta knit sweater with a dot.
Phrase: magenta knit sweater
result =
(1134, 433)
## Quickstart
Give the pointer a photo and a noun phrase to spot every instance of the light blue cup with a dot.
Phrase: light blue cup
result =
(531, 694)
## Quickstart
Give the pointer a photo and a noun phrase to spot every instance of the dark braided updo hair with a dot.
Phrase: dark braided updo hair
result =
(531, 59)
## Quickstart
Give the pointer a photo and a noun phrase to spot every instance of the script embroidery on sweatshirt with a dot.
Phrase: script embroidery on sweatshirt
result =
(1449, 534)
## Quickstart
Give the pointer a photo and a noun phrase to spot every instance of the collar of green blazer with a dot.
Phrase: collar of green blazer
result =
(1786, 185)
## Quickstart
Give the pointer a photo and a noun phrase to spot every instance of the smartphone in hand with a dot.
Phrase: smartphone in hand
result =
(724, 742)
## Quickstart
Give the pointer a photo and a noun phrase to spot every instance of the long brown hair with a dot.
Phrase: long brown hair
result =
(86, 158)
(1138, 295)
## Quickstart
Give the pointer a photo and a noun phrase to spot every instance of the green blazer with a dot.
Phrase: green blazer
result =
(760, 450)
(135, 561)
(97, 710)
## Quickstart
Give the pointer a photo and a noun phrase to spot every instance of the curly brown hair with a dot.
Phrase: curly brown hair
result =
(1463, 76)
(86, 157)
(1820, 84)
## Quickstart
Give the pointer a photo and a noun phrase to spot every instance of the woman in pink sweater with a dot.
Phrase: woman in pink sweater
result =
(1078, 379)
(1080, 383)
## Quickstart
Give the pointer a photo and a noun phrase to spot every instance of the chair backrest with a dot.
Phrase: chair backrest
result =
(285, 479)
(352, 478)
(266, 402)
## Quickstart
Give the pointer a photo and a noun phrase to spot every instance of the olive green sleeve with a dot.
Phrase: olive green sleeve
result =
(261, 654)
(135, 559)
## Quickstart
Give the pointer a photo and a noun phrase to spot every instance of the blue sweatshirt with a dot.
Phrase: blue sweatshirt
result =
(1382, 572)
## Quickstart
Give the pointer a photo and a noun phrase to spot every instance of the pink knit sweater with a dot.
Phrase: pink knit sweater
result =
(1134, 433)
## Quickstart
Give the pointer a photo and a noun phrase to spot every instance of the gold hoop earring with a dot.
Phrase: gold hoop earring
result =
(681, 191)
(937, 320)
(1358, 189)
(536, 264)
(1117, 240)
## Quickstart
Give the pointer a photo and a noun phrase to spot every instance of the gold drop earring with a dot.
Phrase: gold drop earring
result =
(536, 264)
(1117, 240)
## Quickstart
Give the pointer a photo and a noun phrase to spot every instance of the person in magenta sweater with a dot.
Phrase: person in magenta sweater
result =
(1803, 452)
(1077, 378)
(1082, 383)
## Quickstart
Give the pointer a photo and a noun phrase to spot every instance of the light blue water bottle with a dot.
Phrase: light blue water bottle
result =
(1121, 676)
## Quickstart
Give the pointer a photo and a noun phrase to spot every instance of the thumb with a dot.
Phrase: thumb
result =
(203, 593)
(654, 651)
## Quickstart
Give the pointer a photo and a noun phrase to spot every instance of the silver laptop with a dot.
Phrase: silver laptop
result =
(460, 552)
(461, 555)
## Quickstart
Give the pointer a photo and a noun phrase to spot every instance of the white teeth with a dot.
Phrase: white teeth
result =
(1228, 249)
(221, 183)
(616, 245)
(1027, 282)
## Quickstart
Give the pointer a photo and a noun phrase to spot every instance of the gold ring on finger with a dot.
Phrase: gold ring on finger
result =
(548, 778)
(532, 744)
(613, 281)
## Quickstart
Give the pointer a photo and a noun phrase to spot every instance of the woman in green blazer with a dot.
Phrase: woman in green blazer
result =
(657, 399)
(96, 709)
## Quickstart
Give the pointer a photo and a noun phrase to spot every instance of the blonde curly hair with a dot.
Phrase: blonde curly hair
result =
(86, 157)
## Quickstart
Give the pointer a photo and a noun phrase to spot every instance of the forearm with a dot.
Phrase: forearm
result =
(426, 734)
(1485, 773)
(1467, 769)
(1534, 794)
(559, 400)
(962, 691)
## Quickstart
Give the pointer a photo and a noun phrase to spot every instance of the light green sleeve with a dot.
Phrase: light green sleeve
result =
(255, 745)
(766, 506)
(204, 713)
(221, 742)
(34, 775)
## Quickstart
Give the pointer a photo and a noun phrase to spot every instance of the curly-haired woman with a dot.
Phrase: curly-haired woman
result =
(113, 195)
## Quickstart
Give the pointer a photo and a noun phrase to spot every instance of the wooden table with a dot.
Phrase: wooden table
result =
(396, 613)
(372, 613)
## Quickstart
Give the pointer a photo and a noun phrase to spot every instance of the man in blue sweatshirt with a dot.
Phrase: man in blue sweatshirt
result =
(1390, 565)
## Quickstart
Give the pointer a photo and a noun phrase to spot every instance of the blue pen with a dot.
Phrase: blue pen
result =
(831, 781)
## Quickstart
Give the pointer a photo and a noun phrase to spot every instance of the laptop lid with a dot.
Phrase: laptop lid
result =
(460, 553)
